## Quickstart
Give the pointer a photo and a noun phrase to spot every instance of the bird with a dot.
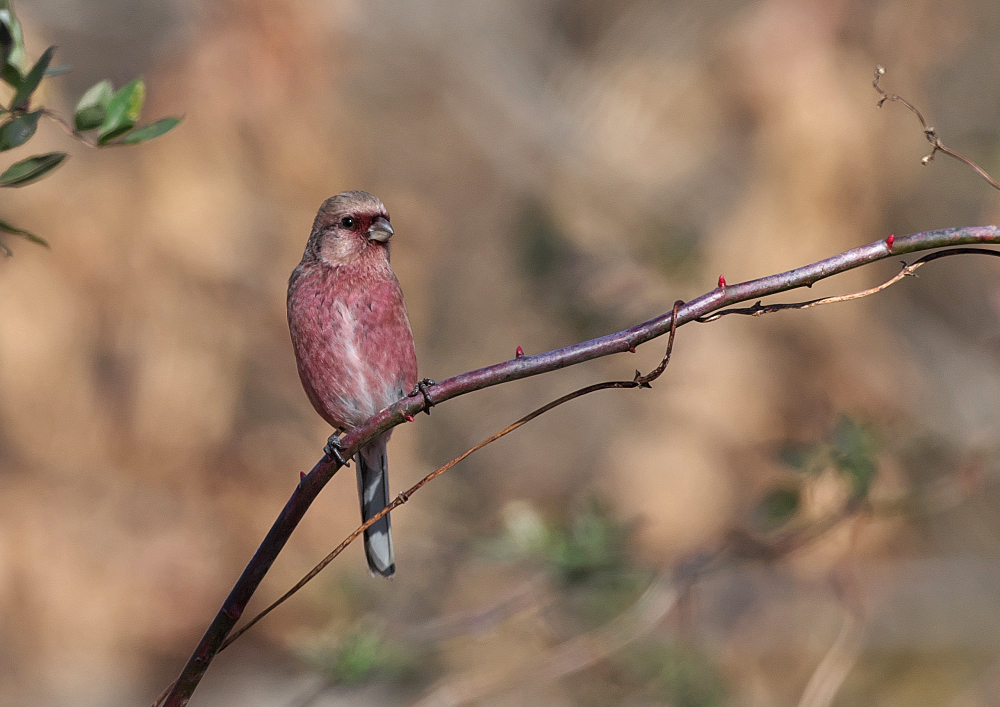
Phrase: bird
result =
(353, 343)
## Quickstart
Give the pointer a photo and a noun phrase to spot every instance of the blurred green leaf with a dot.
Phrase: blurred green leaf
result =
(123, 111)
(93, 106)
(57, 70)
(777, 508)
(853, 453)
(361, 656)
(13, 67)
(31, 169)
(18, 130)
(6, 43)
(22, 97)
(800, 456)
(11, 75)
(682, 677)
(10, 228)
(593, 543)
(673, 246)
(148, 132)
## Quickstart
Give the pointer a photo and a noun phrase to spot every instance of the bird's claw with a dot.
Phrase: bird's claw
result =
(421, 387)
(332, 449)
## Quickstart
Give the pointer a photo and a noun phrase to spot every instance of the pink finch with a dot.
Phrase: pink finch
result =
(352, 341)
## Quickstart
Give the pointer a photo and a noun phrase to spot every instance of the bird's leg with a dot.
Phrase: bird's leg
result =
(421, 387)
(333, 449)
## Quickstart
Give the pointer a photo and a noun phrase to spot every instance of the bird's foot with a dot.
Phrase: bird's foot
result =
(421, 387)
(333, 450)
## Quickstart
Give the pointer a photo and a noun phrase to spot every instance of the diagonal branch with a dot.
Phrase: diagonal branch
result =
(639, 381)
(523, 367)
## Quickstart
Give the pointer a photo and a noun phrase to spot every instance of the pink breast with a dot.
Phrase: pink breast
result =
(352, 342)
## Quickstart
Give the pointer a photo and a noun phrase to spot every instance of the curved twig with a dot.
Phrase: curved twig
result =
(929, 132)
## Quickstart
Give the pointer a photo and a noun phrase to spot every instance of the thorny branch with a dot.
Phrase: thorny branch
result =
(523, 367)
(758, 308)
(929, 132)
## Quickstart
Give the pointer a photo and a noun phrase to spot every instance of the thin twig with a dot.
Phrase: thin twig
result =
(522, 367)
(69, 129)
(929, 132)
(758, 308)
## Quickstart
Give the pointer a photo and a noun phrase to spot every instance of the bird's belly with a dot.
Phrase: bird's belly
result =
(350, 370)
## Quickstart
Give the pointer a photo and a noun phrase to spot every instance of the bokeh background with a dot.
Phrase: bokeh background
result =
(555, 170)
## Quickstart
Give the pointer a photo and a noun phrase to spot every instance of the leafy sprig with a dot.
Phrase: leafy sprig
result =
(103, 117)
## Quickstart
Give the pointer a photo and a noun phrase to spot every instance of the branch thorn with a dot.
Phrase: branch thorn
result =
(722, 282)
(519, 353)
(890, 240)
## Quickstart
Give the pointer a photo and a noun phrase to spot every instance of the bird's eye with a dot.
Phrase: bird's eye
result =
(347, 222)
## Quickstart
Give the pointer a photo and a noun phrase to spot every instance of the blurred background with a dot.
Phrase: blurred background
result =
(803, 511)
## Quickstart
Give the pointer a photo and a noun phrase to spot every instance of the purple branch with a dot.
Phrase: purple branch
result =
(523, 367)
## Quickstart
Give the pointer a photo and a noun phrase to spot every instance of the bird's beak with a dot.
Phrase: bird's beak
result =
(380, 230)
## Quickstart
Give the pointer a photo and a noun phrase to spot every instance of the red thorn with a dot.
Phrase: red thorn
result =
(407, 417)
(722, 282)
(519, 353)
(302, 475)
(890, 240)
(631, 349)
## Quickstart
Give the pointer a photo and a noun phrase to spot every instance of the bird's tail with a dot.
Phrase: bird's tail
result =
(373, 488)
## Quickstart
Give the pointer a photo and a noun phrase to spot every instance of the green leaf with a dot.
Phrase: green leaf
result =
(93, 106)
(13, 68)
(362, 656)
(676, 674)
(23, 94)
(777, 508)
(148, 132)
(10, 75)
(853, 454)
(10, 228)
(123, 111)
(800, 456)
(18, 130)
(6, 43)
(594, 543)
(57, 70)
(31, 169)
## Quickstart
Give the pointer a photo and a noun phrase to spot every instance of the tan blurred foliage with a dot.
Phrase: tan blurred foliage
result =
(151, 420)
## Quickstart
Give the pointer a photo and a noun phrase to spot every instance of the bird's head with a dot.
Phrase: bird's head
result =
(348, 226)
